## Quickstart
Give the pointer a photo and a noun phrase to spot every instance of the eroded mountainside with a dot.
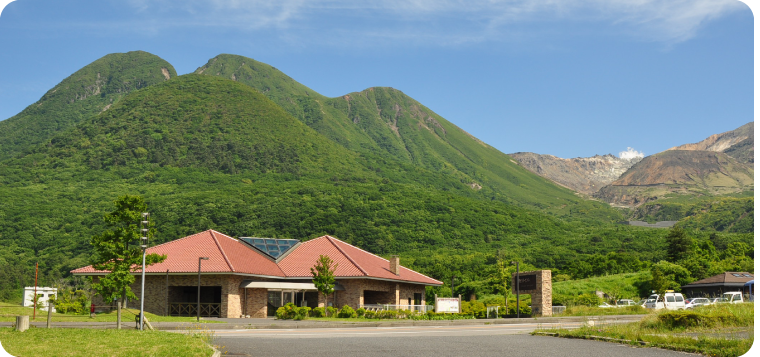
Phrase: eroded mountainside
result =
(738, 143)
(582, 174)
(678, 172)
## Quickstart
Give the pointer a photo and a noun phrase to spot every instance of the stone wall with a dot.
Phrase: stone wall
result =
(541, 296)
(156, 291)
(237, 302)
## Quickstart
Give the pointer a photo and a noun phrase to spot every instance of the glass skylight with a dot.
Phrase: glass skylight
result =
(271, 247)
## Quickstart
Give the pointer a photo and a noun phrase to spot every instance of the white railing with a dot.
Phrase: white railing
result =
(415, 308)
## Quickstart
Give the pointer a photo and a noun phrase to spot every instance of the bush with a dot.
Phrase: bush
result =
(369, 314)
(360, 312)
(330, 311)
(512, 308)
(588, 300)
(475, 308)
(318, 312)
(287, 312)
(302, 313)
(347, 312)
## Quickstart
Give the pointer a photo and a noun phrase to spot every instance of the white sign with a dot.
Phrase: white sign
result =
(449, 305)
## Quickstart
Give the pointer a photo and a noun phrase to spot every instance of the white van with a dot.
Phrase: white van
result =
(670, 301)
(732, 297)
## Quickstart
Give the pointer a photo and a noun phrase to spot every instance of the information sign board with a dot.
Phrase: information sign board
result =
(450, 305)
(527, 282)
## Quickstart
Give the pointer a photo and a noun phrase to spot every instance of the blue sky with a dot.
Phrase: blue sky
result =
(571, 78)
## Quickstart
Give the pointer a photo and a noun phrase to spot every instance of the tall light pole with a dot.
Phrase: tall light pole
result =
(517, 285)
(144, 245)
(198, 310)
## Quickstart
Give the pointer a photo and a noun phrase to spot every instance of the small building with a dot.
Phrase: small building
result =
(715, 286)
(44, 293)
(255, 276)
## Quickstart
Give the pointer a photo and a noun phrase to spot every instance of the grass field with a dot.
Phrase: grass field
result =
(9, 313)
(598, 311)
(41, 342)
(723, 330)
(625, 286)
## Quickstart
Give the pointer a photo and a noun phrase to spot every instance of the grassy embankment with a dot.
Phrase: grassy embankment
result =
(9, 313)
(41, 342)
(723, 330)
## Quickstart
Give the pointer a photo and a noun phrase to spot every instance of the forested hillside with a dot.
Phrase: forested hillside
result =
(215, 153)
(389, 129)
(87, 92)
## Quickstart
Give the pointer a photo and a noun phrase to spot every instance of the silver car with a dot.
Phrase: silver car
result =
(698, 302)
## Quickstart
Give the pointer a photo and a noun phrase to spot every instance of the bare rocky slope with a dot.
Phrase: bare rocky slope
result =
(678, 172)
(583, 174)
(738, 143)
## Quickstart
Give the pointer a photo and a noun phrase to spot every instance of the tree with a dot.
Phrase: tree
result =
(669, 276)
(323, 273)
(679, 244)
(114, 254)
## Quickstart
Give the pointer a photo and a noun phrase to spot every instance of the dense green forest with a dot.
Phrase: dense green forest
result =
(261, 155)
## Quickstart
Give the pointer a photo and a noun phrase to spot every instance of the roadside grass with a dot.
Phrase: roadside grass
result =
(599, 311)
(98, 342)
(9, 313)
(722, 330)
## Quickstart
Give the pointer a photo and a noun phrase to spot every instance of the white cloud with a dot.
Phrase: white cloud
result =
(439, 20)
(630, 154)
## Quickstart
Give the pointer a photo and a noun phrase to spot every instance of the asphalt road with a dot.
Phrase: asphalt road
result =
(468, 341)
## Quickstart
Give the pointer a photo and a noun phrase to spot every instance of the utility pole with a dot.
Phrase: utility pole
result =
(34, 298)
(144, 245)
(198, 310)
(517, 285)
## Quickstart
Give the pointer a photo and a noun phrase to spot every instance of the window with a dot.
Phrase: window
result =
(679, 298)
(670, 298)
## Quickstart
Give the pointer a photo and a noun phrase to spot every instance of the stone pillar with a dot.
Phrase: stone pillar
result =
(538, 284)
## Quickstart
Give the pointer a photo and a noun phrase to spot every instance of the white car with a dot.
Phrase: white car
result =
(625, 302)
(671, 301)
(698, 302)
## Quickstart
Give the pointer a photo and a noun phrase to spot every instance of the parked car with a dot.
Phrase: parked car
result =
(670, 301)
(698, 302)
(732, 297)
(642, 303)
(625, 302)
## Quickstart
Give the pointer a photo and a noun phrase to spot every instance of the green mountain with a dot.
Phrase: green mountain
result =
(197, 121)
(389, 129)
(88, 91)
(216, 153)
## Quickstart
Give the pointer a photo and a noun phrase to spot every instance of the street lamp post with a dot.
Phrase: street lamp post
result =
(198, 310)
(144, 245)
(517, 286)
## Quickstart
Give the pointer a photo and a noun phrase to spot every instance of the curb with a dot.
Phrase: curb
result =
(592, 337)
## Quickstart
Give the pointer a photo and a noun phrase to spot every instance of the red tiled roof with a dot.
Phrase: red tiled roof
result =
(229, 255)
(352, 262)
(226, 255)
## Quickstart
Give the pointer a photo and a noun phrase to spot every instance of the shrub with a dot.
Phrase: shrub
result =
(330, 311)
(588, 300)
(286, 312)
(512, 308)
(360, 312)
(475, 308)
(302, 313)
(318, 312)
(369, 314)
(347, 312)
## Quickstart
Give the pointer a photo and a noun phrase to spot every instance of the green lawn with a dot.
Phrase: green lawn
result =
(39, 342)
(723, 330)
(9, 313)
